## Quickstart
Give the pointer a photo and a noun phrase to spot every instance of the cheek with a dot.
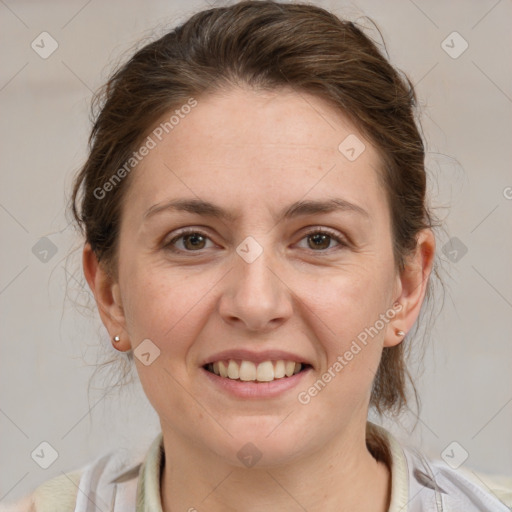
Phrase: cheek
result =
(351, 299)
(348, 315)
(163, 304)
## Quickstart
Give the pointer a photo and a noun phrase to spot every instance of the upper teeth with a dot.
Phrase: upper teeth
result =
(247, 370)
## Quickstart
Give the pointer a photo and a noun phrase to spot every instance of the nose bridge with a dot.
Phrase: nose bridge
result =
(256, 294)
(254, 276)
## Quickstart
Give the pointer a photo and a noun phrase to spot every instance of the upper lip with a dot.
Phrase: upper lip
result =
(255, 357)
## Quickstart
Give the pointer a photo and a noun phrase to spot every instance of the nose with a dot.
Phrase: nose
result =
(256, 296)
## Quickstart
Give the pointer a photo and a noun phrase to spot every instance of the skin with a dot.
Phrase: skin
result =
(255, 153)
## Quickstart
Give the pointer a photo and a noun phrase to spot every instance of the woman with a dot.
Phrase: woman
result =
(258, 241)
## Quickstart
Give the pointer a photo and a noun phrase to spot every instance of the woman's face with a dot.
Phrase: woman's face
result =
(258, 285)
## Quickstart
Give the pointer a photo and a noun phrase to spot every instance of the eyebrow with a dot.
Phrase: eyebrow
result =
(297, 209)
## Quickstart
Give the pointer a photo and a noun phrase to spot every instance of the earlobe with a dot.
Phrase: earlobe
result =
(107, 294)
(413, 282)
(395, 334)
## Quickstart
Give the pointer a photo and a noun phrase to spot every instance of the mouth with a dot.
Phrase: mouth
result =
(247, 371)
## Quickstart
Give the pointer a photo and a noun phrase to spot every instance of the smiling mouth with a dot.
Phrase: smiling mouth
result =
(247, 371)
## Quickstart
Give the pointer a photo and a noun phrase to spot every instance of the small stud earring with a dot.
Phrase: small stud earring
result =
(116, 339)
(400, 333)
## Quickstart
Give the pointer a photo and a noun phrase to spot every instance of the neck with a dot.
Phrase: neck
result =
(334, 478)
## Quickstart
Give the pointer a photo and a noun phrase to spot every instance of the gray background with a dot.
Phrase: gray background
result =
(50, 341)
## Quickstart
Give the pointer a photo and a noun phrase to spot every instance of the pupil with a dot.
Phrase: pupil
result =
(195, 239)
(321, 238)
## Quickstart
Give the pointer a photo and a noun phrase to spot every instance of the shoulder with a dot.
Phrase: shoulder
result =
(111, 478)
(426, 484)
(58, 493)
(108, 477)
(434, 482)
(486, 489)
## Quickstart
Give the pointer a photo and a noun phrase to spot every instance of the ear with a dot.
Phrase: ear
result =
(108, 297)
(412, 286)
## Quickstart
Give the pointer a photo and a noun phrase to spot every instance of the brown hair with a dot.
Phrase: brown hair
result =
(264, 45)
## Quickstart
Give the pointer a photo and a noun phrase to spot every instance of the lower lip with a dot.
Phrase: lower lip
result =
(244, 389)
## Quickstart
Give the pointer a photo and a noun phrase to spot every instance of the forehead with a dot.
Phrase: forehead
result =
(251, 148)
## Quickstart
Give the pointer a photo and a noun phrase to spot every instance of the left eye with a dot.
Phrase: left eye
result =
(195, 240)
(322, 239)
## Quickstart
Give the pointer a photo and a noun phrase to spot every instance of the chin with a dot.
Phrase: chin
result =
(260, 444)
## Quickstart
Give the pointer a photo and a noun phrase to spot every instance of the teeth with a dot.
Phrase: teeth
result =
(223, 369)
(289, 368)
(247, 371)
(266, 371)
(279, 370)
(233, 371)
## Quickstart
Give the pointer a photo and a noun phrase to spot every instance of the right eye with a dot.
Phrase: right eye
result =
(193, 241)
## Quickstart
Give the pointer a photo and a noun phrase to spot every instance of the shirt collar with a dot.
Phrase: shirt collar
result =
(148, 487)
(399, 470)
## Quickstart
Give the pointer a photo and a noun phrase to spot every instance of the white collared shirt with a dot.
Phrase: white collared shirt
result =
(110, 484)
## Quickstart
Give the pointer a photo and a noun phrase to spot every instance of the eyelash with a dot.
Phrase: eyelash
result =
(316, 231)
